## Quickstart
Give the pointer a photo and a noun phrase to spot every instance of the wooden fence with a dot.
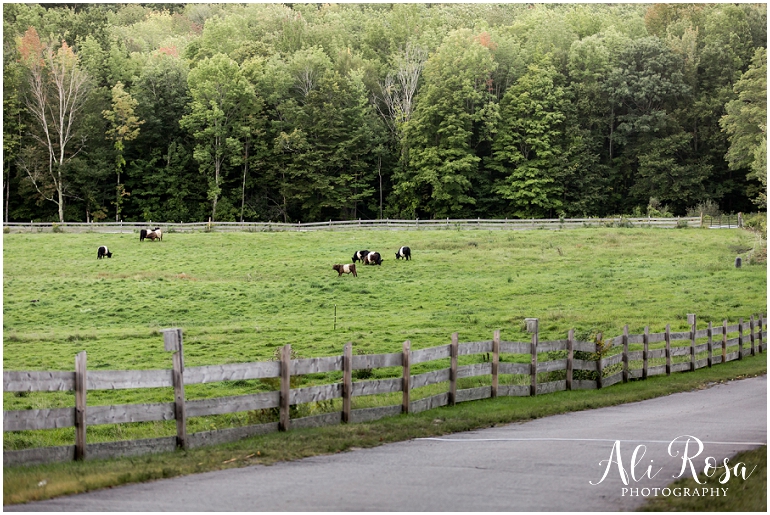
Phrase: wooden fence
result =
(382, 224)
(609, 360)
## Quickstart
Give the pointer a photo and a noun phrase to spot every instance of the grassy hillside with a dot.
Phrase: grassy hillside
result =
(241, 296)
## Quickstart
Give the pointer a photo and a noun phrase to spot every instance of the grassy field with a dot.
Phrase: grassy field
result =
(241, 296)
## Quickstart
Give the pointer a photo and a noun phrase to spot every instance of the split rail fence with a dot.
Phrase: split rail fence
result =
(379, 224)
(610, 360)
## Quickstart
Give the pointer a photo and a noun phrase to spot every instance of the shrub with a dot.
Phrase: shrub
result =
(657, 209)
(756, 222)
(705, 208)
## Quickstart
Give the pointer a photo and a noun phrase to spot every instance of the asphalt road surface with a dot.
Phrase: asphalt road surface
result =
(551, 464)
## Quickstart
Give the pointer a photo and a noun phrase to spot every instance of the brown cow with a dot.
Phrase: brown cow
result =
(346, 269)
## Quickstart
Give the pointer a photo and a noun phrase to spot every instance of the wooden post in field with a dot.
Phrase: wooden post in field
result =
(453, 351)
(80, 406)
(668, 349)
(570, 356)
(495, 362)
(692, 320)
(625, 354)
(645, 350)
(724, 341)
(347, 380)
(532, 327)
(751, 335)
(172, 342)
(759, 347)
(599, 361)
(406, 374)
(710, 332)
(740, 338)
(284, 418)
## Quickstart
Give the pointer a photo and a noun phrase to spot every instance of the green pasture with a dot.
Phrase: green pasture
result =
(241, 296)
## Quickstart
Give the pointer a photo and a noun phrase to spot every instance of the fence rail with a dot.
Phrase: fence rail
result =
(379, 224)
(609, 366)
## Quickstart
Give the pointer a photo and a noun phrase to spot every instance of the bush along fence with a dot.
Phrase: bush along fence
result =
(379, 224)
(572, 363)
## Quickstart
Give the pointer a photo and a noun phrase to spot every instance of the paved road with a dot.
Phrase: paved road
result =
(542, 465)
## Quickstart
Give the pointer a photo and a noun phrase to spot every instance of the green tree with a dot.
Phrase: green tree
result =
(454, 112)
(220, 95)
(746, 123)
(645, 87)
(527, 151)
(164, 182)
(124, 126)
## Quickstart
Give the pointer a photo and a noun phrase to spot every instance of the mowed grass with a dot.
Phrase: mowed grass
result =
(747, 495)
(241, 296)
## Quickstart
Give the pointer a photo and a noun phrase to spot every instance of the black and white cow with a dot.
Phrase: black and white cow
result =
(103, 251)
(373, 258)
(405, 253)
(360, 255)
(155, 234)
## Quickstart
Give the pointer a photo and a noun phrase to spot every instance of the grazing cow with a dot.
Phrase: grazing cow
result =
(346, 269)
(405, 253)
(155, 234)
(360, 255)
(373, 258)
(103, 251)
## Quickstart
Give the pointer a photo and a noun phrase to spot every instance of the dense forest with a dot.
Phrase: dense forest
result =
(308, 112)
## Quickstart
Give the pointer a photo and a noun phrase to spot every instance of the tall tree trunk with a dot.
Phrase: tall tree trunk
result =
(60, 191)
(118, 194)
(243, 185)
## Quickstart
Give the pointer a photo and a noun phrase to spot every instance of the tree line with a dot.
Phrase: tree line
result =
(309, 112)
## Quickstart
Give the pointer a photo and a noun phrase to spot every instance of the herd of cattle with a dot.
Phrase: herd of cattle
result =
(144, 234)
(364, 256)
(369, 258)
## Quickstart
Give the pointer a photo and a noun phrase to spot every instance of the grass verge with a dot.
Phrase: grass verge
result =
(24, 484)
(743, 495)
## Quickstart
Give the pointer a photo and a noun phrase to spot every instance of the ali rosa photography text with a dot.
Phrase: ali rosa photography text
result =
(683, 453)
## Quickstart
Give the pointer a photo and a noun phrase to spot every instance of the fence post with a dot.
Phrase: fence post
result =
(625, 354)
(599, 361)
(751, 335)
(693, 321)
(80, 406)
(645, 350)
(172, 342)
(740, 338)
(759, 347)
(495, 362)
(347, 380)
(532, 327)
(406, 374)
(724, 341)
(710, 333)
(284, 419)
(668, 349)
(453, 351)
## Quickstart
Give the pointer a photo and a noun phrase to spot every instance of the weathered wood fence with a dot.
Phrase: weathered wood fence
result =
(724, 343)
(380, 224)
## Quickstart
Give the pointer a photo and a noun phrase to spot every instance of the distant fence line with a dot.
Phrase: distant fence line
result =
(603, 363)
(380, 224)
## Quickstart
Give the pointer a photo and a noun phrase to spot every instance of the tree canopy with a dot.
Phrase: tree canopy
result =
(309, 112)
